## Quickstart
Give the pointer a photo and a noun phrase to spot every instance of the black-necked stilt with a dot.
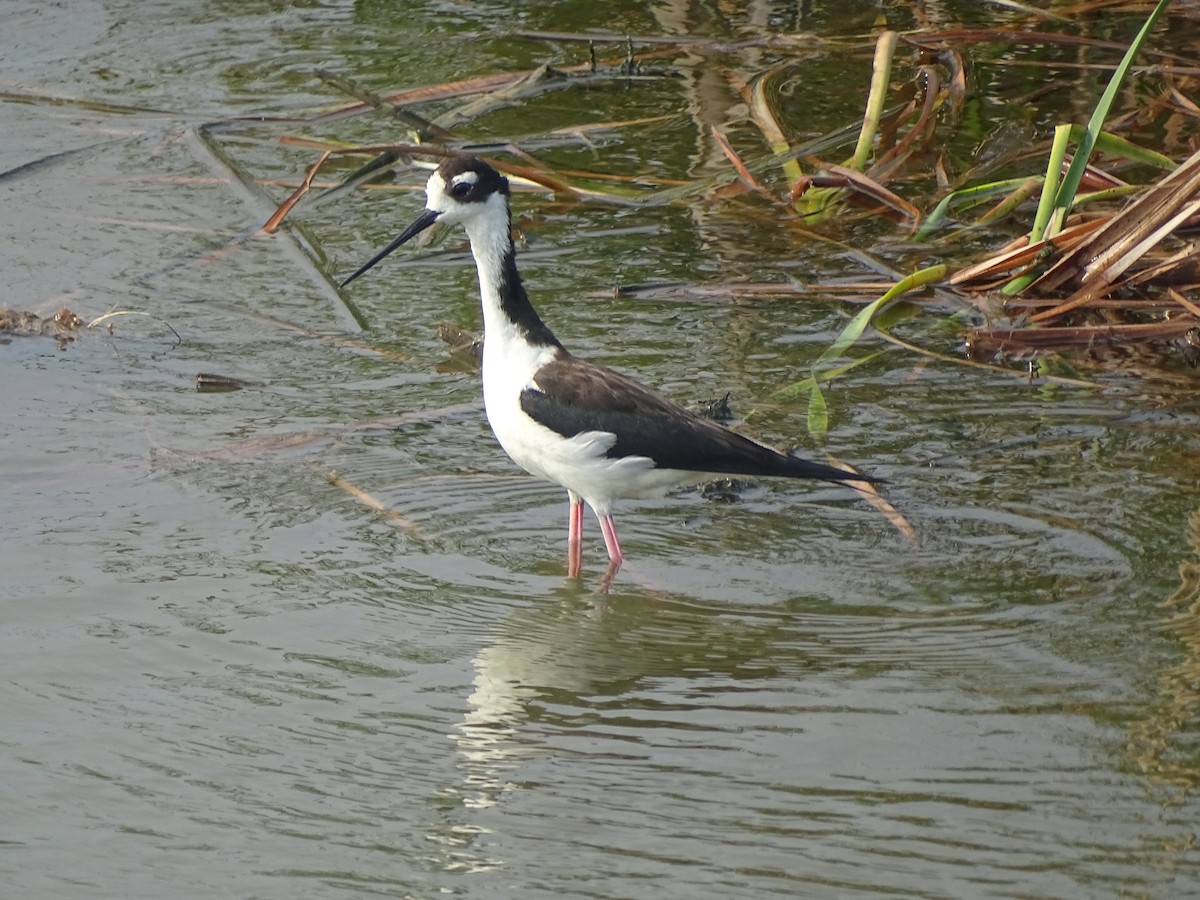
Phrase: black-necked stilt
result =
(595, 432)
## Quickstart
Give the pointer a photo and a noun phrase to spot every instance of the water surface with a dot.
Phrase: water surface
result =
(225, 676)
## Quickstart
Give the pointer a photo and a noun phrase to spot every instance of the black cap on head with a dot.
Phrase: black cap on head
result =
(477, 189)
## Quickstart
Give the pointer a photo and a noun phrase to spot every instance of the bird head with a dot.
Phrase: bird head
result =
(460, 191)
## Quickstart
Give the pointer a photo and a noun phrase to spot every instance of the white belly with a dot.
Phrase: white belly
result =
(579, 463)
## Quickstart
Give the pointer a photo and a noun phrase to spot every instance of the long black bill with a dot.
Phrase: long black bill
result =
(427, 218)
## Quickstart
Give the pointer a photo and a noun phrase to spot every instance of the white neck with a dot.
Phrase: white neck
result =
(507, 313)
(490, 242)
(516, 343)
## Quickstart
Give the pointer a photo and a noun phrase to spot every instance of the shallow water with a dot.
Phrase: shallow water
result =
(224, 675)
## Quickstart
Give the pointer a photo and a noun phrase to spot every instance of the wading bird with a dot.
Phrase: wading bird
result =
(599, 434)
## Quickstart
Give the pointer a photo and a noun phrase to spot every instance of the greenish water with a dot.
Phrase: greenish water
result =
(225, 676)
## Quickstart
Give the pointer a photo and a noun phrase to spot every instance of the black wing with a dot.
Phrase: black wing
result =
(574, 396)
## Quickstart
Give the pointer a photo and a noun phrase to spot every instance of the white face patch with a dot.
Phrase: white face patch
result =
(441, 196)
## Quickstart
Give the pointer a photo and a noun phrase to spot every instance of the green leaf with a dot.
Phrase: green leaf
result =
(964, 199)
(852, 332)
(1070, 183)
(1115, 145)
(804, 385)
(1050, 190)
(881, 72)
(818, 413)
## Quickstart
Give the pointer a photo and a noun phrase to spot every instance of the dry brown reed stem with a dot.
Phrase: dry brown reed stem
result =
(272, 224)
(1019, 254)
(1127, 236)
(743, 173)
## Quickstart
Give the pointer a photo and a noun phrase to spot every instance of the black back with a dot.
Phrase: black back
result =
(576, 396)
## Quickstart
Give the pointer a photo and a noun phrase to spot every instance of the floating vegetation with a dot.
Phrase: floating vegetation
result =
(1093, 278)
(1066, 247)
(62, 326)
(1043, 249)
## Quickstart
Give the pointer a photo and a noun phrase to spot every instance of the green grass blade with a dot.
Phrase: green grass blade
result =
(1070, 183)
(853, 331)
(1023, 192)
(818, 413)
(1115, 145)
(1115, 193)
(1050, 217)
(1050, 190)
(881, 72)
(1044, 217)
(964, 198)
(805, 385)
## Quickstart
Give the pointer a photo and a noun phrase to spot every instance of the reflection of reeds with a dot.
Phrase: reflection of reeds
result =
(1161, 746)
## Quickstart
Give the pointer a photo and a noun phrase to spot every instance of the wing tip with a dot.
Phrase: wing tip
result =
(835, 470)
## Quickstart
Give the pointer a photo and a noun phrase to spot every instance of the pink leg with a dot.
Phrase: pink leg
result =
(575, 537)
(615, 557)
(609, 530)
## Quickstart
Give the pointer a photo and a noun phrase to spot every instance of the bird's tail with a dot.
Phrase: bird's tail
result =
(799, 467)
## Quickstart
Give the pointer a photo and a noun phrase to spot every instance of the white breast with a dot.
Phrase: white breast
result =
(579, 463)
(510, 364)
